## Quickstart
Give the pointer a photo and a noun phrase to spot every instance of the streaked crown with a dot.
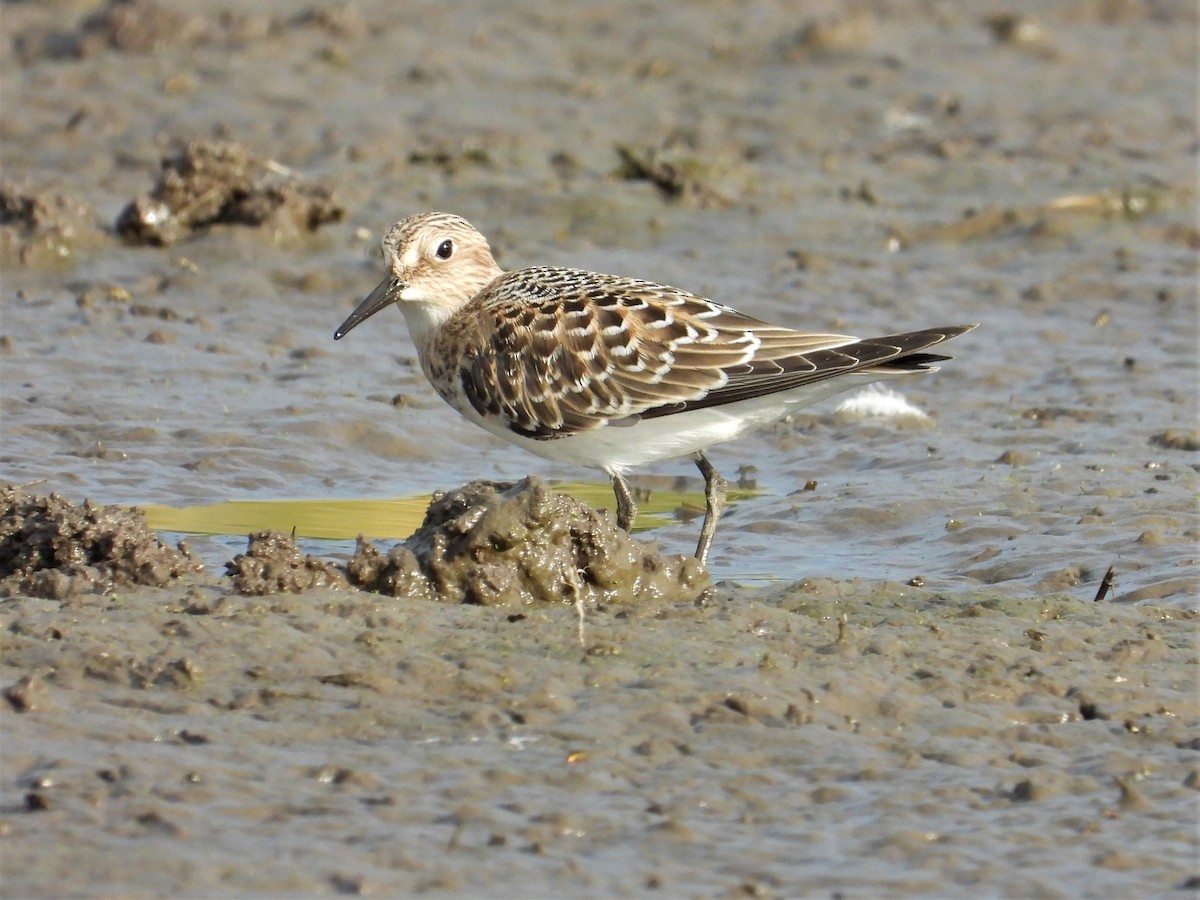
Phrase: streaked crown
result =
(439, 259)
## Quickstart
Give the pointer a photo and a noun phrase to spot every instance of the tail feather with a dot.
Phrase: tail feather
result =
(894, 354)
(914, 362)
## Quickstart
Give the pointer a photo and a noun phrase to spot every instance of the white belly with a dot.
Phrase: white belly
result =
(619, 446)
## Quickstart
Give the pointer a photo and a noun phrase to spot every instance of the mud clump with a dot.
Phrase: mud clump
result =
(273, 564)
(52, 548)
(222, 183)
(677, 177)
(517, 544)
(136, 26)
(126, 26)
(1177, 439)
(39, 227)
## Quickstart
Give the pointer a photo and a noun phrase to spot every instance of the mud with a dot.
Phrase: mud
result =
(490, 544)
(688, 748)
(900, 684)
(206, 184)
(44, 228)
(521, 544)
(677, 176)
(52, 548)
(273, 564)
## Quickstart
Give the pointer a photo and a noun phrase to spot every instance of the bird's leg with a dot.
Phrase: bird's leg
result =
(714, 498)
(626, 508)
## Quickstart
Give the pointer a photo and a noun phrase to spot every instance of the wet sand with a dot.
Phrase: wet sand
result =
(194, 742)
(900, 683)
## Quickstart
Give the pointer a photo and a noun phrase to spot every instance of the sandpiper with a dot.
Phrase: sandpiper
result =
(610, 372)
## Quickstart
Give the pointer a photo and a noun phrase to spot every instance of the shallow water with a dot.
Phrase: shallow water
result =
(855, 167)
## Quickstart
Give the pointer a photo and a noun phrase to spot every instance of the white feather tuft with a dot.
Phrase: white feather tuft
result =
(877, 401)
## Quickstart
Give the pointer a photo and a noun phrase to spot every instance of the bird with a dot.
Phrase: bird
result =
(610, 372)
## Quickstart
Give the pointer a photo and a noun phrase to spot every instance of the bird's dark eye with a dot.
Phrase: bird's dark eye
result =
(445, 248)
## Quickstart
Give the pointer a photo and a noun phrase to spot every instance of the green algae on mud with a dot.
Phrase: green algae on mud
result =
(396, 519)
(515, 544)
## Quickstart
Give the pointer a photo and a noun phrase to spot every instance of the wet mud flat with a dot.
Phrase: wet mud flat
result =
(278, 732)
(924, 700)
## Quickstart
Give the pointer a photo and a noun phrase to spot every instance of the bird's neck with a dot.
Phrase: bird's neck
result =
(425, 317)
(424, 320)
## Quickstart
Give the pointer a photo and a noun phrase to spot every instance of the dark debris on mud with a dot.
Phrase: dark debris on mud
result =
(208, 183)
(55, 549)
(676, 176)
(519, 543)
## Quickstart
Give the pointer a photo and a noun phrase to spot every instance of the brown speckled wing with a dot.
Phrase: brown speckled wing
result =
(560, 351)
(795, 366)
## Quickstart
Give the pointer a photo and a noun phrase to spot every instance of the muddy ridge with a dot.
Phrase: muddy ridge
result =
(210, 183)
(52, 548)
(518, 543)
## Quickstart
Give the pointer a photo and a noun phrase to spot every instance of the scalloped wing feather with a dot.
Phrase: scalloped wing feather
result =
(561, 351)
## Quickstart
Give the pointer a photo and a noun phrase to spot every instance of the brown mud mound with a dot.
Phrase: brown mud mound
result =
(222, 183)
(1177, 439)
(519, 543)
(126, 26)
(40, 227)
(273, 564)
(52, 548)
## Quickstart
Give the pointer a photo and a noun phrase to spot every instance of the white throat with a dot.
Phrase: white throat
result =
(424, 319)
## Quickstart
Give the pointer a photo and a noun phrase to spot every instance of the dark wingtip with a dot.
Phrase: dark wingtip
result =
(917, 362)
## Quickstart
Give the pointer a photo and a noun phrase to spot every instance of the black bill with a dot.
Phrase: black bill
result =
(387, 293)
